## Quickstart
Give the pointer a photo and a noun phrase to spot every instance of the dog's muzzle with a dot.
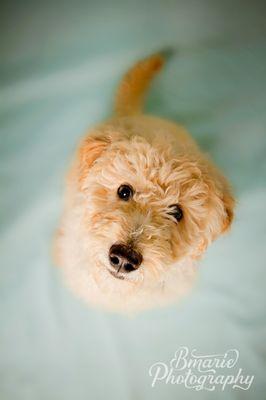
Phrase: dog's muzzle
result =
(123, 259)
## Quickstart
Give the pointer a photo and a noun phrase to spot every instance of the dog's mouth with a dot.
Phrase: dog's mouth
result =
(116, 275)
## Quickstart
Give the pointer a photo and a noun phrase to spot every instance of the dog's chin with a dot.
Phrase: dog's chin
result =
(133, 277)
(107, 279)
(117, 275)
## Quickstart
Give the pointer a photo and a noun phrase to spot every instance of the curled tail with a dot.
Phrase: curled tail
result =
(131, 91)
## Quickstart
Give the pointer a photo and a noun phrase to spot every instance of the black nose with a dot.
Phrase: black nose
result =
(123, 258)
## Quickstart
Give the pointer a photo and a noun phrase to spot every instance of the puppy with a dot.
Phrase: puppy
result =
(142, 204)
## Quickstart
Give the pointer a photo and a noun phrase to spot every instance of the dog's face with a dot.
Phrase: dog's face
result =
(146, 209)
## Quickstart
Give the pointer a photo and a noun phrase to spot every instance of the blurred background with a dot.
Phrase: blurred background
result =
(60, 63)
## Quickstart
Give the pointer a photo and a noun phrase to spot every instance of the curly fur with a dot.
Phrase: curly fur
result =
(163, 164)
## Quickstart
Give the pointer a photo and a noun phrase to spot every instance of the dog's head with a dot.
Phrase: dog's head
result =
(147, 207)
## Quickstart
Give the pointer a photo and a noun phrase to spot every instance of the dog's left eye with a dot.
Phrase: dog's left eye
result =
(176, 212)
(125, 192)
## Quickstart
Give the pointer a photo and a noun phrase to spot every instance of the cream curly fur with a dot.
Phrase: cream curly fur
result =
(164, 166)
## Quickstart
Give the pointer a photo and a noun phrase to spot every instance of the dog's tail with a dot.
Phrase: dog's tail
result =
(131, 91)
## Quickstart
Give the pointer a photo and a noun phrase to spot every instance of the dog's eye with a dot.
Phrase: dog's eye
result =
(176, 212)
(125, 192)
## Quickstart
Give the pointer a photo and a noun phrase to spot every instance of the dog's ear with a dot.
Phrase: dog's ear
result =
(221, 214)
(229, 205)
(223, 200)
(224, 203)
(90, 150)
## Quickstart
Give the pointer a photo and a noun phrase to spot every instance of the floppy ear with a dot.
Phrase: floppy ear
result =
(225, 199)
(219, 225)
(229, 205)
(89, 151)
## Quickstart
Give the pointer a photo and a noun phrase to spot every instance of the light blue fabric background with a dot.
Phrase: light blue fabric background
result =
(60, 62)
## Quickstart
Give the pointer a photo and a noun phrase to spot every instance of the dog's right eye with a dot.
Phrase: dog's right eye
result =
(125, 192)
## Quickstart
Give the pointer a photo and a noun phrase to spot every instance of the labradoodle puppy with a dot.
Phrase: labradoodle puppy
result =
(142, 204)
